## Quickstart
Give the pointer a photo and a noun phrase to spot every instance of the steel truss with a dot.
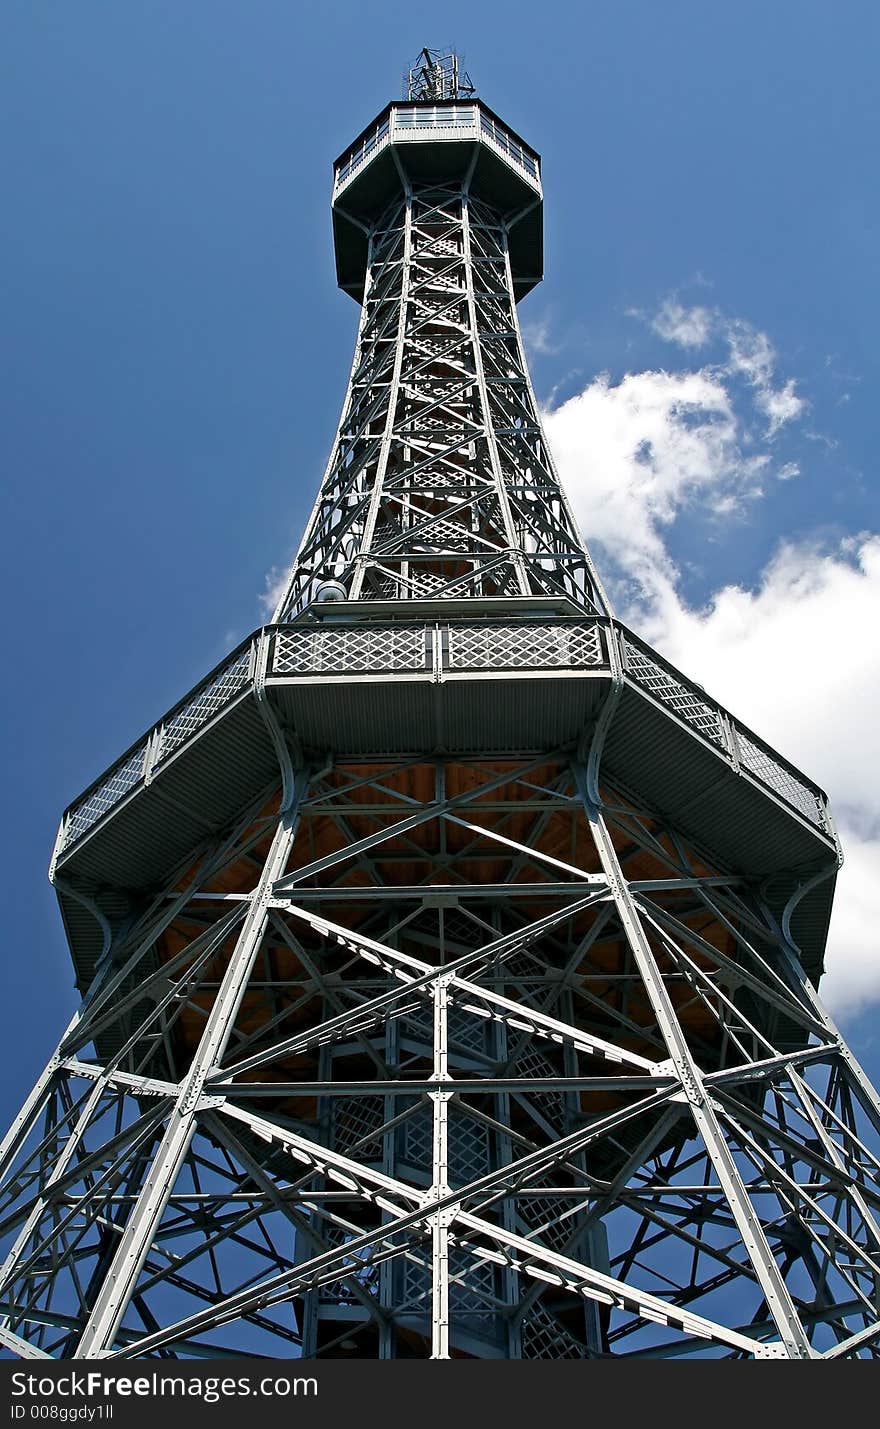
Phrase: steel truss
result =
(440, 482)
(448, 1055)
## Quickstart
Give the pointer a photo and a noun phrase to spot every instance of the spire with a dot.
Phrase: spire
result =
(437, 76)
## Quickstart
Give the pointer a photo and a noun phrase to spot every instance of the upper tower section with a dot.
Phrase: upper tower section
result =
(439, 133)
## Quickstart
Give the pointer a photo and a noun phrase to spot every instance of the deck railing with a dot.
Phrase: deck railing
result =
(443, 650)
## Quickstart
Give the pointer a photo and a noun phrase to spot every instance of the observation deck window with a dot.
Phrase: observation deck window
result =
(355, 157)
(439, 116)
(436, 116)
(499, 135)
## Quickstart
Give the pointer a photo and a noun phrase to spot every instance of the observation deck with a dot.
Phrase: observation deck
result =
(458, 142)
(378, 679)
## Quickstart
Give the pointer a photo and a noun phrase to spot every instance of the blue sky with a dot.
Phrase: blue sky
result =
(175, 354)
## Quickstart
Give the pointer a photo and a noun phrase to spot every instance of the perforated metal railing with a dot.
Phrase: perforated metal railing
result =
(363, 649)
(524, 646)
(432, 651)
(692, 705)
(685, 700)
(784, 782)
(197, 711)
(185, 720)
(114, 787)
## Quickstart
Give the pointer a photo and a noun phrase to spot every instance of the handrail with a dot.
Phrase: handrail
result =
(442, 650)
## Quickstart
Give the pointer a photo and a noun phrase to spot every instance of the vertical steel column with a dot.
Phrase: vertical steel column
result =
(392, 399)
(301, 574)
(391, 1054)
(516, 555)
(119, 1283)
(598, 595)
(441, 1220)
(505, 1153)
(780, 1304)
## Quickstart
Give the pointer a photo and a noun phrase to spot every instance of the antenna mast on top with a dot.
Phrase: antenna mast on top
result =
(436, 75)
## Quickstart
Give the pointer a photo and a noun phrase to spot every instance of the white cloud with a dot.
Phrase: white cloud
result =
(635, 453)
(779, 406)
(275, 584)
(795, 657)
(751, 355)
(851, 981)
(689, 327)
(751, 352)
(536, 336)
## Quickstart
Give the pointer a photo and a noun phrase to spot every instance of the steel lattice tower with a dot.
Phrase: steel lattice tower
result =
(447, 959)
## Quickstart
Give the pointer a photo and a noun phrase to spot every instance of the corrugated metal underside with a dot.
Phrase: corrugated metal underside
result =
(741, 821)
(656, 759)
(505, 713)
(191, 795)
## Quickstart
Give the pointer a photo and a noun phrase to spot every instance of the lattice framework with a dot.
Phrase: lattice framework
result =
(440, 482)
(438, 1078)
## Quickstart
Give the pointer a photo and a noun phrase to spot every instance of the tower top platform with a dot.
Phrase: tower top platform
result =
(418, 141)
